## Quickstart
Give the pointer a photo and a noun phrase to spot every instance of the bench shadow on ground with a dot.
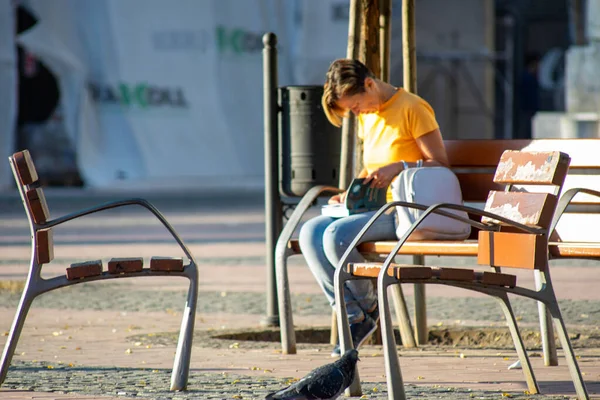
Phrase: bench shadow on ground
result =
(448, 337)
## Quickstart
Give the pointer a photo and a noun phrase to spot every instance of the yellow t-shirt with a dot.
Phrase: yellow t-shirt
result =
(390, 134)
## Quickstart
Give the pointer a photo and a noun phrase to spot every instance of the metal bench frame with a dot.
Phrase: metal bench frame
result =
(544, 294)
(36, 285)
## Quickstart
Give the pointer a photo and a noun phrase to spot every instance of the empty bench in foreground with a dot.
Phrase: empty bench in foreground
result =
(42, 247)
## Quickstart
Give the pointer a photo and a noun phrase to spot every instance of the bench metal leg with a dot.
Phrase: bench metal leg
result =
(395, 385)
(36, 286)
(548, 340)
(344, 333)
(333, 336)
(532, 385)
(286, 323)
(406, 330)
(286, 319)
(421, 331)
(181, 365)
(17, 326)
(561, 330)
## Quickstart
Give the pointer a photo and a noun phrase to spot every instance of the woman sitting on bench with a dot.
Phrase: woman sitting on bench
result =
(398, 130)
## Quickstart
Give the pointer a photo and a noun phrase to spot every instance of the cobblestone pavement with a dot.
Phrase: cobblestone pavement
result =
(117, 339)
(89, 312)
(126, 297)
(152, 383)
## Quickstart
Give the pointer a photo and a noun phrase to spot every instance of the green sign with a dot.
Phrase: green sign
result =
(238, 41)
(140, 95)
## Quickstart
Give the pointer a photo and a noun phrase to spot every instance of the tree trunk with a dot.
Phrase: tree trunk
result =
(349, 142)
(368, 54)
(385, 38)
(369, 36)
(409, 54)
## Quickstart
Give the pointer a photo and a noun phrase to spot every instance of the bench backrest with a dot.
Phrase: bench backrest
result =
(34, 202)
(474, 162)
(532, 181)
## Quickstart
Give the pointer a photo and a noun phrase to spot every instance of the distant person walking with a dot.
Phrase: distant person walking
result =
(529, 95)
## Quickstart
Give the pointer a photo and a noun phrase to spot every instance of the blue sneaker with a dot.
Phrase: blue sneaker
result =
(360, 332)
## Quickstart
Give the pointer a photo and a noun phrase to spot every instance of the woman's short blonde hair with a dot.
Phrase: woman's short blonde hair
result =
(345, 77)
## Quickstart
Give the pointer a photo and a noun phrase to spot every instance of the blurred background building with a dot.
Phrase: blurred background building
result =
(162, 94)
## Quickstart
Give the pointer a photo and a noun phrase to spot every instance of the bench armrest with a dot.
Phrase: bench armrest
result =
(564, 202)
(292, 223)
(436, 209)
(417, 206)
(121, 203)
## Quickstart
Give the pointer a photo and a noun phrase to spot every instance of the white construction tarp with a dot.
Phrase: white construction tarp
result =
(165, 93)
(162, 93)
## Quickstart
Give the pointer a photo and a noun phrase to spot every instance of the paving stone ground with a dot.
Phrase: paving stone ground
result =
(115, 340)
(121, 344)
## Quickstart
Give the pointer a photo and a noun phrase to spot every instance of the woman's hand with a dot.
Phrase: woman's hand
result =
(383, 177)
(338, 198)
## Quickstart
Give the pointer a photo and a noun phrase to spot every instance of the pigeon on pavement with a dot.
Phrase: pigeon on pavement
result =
(326, 382)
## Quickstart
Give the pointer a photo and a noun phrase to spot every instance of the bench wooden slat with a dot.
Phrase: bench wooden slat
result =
(411, 272)
(442, 247)
(574, 249)
(294, 246)
(125, 265)
(44, 246)
(25, 167)
(487, 152)
(513, 250)
(532, 209)
(37, 205)
(169, 264)
(404, 272)
(496, 279)
(399, 271)
(370, 270)
(84, 269)
(541, 168)
(480, 152)
(467, 248)
(454, 274)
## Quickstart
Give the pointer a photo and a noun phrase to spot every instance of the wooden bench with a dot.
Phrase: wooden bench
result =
(513, 233)
(41, 226)
(474, 162)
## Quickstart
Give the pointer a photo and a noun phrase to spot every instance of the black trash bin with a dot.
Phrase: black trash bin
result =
(309, 143)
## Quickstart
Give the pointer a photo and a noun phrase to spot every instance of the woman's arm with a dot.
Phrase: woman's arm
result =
(432, 147)
(434, 155)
